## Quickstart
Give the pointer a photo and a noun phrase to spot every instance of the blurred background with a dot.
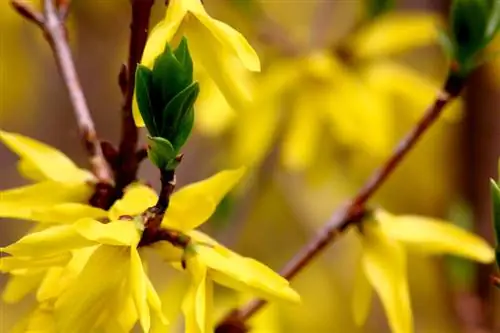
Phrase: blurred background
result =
(341, 83)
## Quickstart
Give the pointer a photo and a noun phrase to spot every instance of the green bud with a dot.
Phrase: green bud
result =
(495, 195)
(473, 25)
(171, 76)
(161, 152)
(166, 96)
(376, 8)
(143, 86)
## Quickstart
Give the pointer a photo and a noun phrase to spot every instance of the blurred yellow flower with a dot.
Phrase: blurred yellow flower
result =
(52, 172)
(215, 46)
(383, 261)
(351, 98)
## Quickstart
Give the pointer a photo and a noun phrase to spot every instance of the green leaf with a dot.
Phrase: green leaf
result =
(495, 195)
(143, 81)
(494, 21)
(160, 152)
(175, 111)
(184, 57)
(445, 42)
(169, 76)
(376, 8)
(469, 19)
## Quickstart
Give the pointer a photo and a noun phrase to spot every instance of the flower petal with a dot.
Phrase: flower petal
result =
(67, 213)
(159, 322)
(246, 274)
(435, 236)
(18, 286)
(197, 302)
(20, 202)
(220, 64)
(384, 264)
(138, 285)
(302, 137)
(389, 34)
(123, 233)
(194, 204)
(79, 308)
(40, 159)
(362, 297)
(230, 39)
(52, 240)
(8, 264)
(137, 198)
(57, 279)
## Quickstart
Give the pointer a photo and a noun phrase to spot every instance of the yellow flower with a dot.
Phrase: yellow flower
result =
(52, 172)
(213, 45)
(355, 102)
(383, 262)
(90, 269)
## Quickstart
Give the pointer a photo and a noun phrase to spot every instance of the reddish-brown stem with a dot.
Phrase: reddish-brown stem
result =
(354, 211)
(53, 28)
(128, 161)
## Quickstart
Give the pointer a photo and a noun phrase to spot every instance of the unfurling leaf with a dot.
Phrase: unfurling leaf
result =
(161, 152)
(143, 82)
(473, 25)
(495, 195)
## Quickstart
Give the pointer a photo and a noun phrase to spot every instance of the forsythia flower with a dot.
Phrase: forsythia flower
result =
(214, 45)
(350, 97)
(52, 172)
(110, 290)
(383, 262)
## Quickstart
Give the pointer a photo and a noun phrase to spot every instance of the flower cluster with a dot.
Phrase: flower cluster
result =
(85, 264)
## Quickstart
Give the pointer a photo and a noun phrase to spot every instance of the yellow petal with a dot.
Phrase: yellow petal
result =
(409, 85)
(213, 113)
(123, 233)
(18, 286)
(384, 264)
(42, 159)
(362, 297)
(303, 134)
(435, 236)
(159, 322)
(67, 213)
(137, 198)
(230, 39)
(79, 308)
(52, 240)
(40, 320)
(220, 64)
(138, 285)
(389, 34)
(20, 202)
(197, 302)
(8, 264)
(194, 204)
(245, 274)
(57, 279)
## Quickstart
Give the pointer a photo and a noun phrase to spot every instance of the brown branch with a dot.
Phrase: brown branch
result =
(354, 211)
(55, 34)
(128, 161)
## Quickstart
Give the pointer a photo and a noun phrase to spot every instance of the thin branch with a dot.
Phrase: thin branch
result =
(28, 12)
(55, 34)
(128, 161)
(354, 211)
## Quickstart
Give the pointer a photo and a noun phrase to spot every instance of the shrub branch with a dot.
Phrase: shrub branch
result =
(354, 211)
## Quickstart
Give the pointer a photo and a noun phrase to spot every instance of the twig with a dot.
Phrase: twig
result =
(354, 211)
(128, 159)
(55, 34)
